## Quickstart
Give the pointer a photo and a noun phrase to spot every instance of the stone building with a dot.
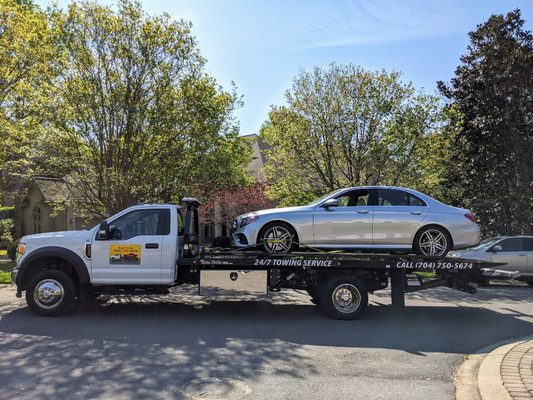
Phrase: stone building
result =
(36, 208)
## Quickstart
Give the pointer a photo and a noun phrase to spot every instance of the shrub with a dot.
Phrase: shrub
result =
(12, 250)
(7, 212)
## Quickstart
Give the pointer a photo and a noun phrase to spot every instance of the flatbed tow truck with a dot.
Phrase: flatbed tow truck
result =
(145, 250)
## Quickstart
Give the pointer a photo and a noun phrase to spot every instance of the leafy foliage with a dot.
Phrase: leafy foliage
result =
(226, 205)
(26, 52)
(344, 126)
(135, 118)
(491, 95)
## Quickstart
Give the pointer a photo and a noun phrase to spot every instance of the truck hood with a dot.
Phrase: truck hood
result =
(55, 235)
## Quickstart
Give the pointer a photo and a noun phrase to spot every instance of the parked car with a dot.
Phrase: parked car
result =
(515, 251)
(377, 218)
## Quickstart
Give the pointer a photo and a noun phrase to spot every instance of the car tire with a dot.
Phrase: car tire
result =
(277, 231)
(343, 297)
(51, 293)
(432, 241)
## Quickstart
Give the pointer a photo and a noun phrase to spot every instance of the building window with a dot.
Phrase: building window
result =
(36, 220)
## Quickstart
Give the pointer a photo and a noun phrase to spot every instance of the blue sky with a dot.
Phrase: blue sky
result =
(261, 45)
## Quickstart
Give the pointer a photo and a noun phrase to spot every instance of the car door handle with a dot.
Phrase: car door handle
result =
(152, 245)
(521, 254)
(416, 212)
(363, 211)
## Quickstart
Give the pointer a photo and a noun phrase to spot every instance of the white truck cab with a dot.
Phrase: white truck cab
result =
(137, 246)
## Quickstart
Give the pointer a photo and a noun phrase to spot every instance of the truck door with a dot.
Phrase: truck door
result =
(133, 252)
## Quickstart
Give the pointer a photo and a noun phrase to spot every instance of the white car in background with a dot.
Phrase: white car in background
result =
(515, 251)
(378, 218)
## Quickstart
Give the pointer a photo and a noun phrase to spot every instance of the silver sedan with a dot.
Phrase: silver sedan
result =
(378, 218)
(515, 251)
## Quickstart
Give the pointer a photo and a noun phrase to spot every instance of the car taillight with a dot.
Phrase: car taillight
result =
(471, 217)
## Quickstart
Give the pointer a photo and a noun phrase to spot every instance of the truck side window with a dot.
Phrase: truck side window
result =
(142, 222)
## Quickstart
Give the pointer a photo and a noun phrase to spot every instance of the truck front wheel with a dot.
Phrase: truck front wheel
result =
(343, 297)
(50, 293)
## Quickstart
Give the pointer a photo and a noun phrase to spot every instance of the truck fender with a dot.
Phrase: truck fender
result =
(57, 252)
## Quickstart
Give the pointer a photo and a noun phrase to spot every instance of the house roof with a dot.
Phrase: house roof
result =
(258, 156)
(53, 189)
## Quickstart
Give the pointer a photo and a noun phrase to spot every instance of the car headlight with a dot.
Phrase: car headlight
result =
(248, 220)
(21, 249)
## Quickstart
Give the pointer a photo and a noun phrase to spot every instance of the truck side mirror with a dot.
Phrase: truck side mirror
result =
(497, 248)
(103, 231)
(330, 203)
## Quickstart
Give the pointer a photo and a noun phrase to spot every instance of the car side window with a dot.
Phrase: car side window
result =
(142, 222)
(395, 198)
(355, 198)
(512, 244)
(528, 244)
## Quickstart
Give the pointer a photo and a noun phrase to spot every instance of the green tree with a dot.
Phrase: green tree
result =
(492, 96)
(344, 126)
(136, 119)
(25, 53)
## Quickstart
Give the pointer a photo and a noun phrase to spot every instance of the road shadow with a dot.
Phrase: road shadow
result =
(143, 348)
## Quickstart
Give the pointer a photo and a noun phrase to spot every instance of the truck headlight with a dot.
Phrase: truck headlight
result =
(21, 249)
(248, 220)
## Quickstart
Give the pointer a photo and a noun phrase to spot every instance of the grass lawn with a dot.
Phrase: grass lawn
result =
(5, 271)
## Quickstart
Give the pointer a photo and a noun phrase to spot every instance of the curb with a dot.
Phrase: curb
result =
(478, 377)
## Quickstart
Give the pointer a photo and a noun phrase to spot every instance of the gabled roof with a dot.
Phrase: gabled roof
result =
(53, 189)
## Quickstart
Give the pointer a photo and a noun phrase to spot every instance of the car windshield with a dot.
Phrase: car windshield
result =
(322, 198)
(485, 243)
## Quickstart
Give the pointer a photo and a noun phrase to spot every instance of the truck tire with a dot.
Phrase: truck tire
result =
(343, 297)
(313, 292)
(51, 293)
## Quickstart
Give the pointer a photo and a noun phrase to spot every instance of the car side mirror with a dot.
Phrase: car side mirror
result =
(497, 248)
(330, 203)
(103, 231)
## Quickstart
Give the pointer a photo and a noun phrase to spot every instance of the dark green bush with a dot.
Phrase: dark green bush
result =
(7, 212)
(12, 250)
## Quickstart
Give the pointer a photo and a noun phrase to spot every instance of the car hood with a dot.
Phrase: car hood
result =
(473, 254)
(281, 210)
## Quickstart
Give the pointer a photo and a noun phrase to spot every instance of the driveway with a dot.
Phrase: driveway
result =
(172, 348)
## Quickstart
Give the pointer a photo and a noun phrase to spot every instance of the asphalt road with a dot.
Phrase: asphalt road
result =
(170, 348)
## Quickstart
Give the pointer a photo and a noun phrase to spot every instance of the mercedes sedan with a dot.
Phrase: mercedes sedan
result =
(377, 218)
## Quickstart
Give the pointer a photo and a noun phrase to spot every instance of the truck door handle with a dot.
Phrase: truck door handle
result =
(416, 212)
(522, 254)
(362, 211)
(151, 245)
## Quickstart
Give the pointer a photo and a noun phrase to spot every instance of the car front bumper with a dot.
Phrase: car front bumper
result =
(245, 236)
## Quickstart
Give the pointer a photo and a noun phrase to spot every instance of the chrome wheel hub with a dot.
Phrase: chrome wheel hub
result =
(346, 298)
(433, 243)
(277, 240)
(48, 293)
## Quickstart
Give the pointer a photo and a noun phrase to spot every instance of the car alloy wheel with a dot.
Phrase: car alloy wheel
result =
(433, 242)
(277, 239)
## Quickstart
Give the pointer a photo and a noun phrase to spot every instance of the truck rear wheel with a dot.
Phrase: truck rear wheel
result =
(50, 293)
(343, 297)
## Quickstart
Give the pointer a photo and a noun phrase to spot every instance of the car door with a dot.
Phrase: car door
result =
(397, 214)
(348, 224)
(528, 248)
(133, 254)
(512, 253)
